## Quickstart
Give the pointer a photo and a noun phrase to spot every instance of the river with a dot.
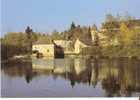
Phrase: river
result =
(70, 77)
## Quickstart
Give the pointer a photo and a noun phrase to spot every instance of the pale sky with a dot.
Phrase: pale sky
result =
(47, 15)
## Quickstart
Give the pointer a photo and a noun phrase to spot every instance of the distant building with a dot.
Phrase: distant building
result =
(80, 44)
(44, 49)
(65, 44)
(47, 49)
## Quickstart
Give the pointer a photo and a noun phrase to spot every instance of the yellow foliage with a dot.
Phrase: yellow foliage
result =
(126, 34)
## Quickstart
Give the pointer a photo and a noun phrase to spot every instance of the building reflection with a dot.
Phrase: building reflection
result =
(118, 77)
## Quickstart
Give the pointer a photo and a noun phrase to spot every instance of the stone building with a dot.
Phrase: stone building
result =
(44, 49)
(65, 44)
(80, 44)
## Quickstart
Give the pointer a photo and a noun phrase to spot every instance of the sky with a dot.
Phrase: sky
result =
(48, 15)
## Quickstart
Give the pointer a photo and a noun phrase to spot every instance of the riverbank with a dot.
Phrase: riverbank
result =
(16, 57)
(27, 57)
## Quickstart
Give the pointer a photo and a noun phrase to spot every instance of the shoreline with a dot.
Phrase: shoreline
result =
(77, 56)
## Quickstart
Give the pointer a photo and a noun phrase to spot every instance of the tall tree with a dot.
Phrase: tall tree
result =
(73, 26)
(96, 39)
(126, 34)
(89, 36)
(71, 31)
(29, 33)
(94, 27)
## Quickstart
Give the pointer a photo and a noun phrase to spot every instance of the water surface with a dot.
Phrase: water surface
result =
(71, 77)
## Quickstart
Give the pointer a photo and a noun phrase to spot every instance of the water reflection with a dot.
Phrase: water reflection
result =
(118, 77)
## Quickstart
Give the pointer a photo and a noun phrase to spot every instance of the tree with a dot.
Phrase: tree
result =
(73, 26)
(94, 27)
(89, 34)
(71, 31)
(44, 39)
(96, 39)
(13, 38)
(125, 34)
(29, 33)
(136, 37)
(56, 35)
(13, 44)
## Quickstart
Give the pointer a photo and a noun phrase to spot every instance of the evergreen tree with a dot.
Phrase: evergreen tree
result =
(89, 34)
(73, 26)
(29, 33)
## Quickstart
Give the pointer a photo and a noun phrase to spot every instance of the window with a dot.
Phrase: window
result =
(48, 50)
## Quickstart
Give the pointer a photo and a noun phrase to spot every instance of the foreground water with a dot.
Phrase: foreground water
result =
(71, 77)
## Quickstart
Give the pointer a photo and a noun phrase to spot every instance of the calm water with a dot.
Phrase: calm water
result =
(69, 77)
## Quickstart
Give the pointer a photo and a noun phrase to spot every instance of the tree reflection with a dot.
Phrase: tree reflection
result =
(71, 75)
(111, 86)
(110, 83)
(118, 77)
(28, 73)
(128, 75)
